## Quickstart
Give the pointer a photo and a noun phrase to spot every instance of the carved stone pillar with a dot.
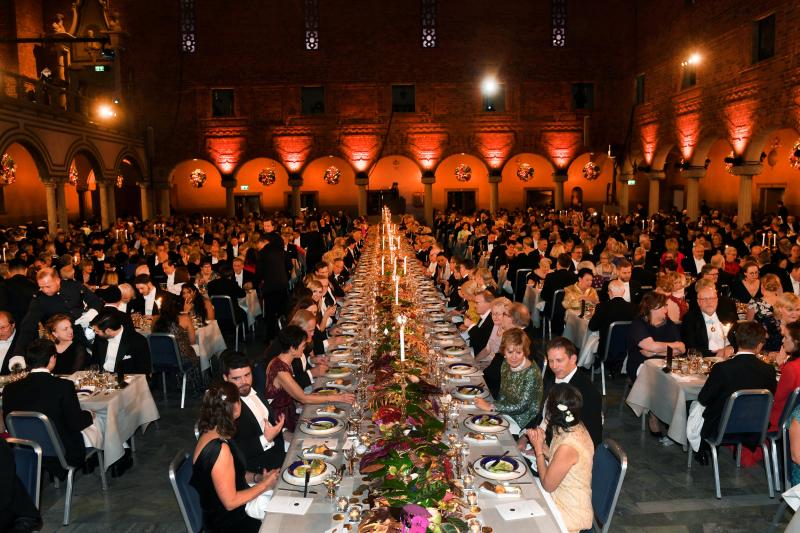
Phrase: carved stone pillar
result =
(230, 184)
(559, 177)
(495, 177)
(112, 203)
(623, 193)
(428, 179)
(52, 210)
(295, 182)
(102, 193)
(362, 180)
(61, 206)
(655, 190)
(144, 194)
(746, 171)
(693, 176)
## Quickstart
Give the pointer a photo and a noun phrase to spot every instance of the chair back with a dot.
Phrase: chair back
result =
(556, 307)
(223, 311)
(616, 347)
(36, 427)
(746, 411)
(791, 402)
(180, 473)
(608, 472)
(164, 352)
(28, 460)
(520, 281)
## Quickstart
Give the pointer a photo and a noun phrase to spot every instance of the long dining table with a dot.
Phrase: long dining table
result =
(321, 514)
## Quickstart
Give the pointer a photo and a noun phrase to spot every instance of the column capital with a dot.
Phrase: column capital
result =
(495, 176)
(655, 175)
(160, 185)
(362, 179)
(694, 172)
(428, 177)
(747, 168)
(295, 180)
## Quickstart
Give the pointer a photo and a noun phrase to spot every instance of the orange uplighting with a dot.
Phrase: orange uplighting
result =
(495, 147)
(226, 152)
(688, 128)
(739, 117)
(293, 150)
(360, 150)
(561, 146)
(649, 133)
(427, 148)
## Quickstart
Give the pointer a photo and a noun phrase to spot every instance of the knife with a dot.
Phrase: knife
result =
(305, 486)
(493, 463)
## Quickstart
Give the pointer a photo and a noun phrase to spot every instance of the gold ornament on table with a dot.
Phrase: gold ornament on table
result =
(197, 178)
(8, 170)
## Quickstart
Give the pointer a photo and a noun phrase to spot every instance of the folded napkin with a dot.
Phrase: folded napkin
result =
(286, 505)
(520, 510)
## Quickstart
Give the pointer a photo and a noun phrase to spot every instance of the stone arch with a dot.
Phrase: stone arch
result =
(25, 199)
(272, 197)
(760, 138)
(591, 192)
(339, 196)
(34, 146)
(92, 154)
(701, 149)
(131, 155)
(403, 170)
(209, 199)
(512, 191)
(660, 156)
(446, 180)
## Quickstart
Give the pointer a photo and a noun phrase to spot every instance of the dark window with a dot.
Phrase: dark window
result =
(497, 101)
(311, 15)
(764, 38)
(689, 76)
(188, 41)
(558, 13)
(640, 89)
(313, 100)
(222, 103)
(2, 200)
(583, 96)
(403, 99)
(428, 23)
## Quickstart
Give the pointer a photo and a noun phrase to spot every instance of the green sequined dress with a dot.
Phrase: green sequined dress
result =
(520, 394)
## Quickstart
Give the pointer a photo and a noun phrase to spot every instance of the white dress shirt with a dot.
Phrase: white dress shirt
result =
(111, 351)
(568, 377)
(699, 264)
(627, 294)
(149, 301)
(5, 346)
(239, 278)
(716, 335)
(795, 286)
(261, 413)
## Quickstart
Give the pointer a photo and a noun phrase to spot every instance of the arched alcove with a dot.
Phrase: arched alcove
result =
(186, 198)
(270, 197)
(515, 193)
(127, 198)
(449, 188)
(593, 191)
(24, 200)
(343, 195)
(405, 173)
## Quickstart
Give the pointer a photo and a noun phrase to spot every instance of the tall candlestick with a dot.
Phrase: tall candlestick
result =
(394, 266)
(396, 290)
(383, 258)
(402, 319)
(405, 265)
(775, 240)
(763, 236)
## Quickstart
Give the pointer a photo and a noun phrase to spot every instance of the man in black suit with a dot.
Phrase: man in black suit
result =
(272, 273)
(480, 332)
(704, 326)
(8, 341)
(258, 432)
(632, 289)
(693, 264)
(562, 367)
(641, 274)
(242, 277)
(226, 286)
(561, 278)
(148, 298)
(338, 278)
(117, 348)
(614, 310)
(55, 296)
(742, 371)
(17, 291)
(52, 396)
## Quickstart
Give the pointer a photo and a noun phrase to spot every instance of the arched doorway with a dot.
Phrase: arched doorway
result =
(252, 196)
(527, 182)
(127, 196)
(24, 200)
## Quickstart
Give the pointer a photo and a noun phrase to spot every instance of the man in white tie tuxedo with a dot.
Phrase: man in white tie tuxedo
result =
(8, 334)
(169, 271)
(259, 435)
(242, 277)
(794, 276)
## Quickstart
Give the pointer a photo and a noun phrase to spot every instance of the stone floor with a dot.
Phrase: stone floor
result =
(659, 494)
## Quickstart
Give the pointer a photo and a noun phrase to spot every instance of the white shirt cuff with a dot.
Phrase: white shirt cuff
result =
(266, 444)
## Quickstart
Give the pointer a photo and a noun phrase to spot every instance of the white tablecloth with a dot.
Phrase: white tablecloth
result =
(665, 395)
(251, 306)
(531, 300)
(122, 412)
(210, 342)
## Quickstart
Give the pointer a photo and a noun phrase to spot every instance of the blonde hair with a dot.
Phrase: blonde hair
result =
(771, 283)
(786, 301)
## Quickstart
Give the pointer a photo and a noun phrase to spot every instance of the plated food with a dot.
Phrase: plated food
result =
(295, 473)
(486, 423)
(500, 489)
(331, 410)
(499, 467)
(480, 438)
(320, 451)
(321, 425)
(461, 368)
(470, 392)
(338, 372)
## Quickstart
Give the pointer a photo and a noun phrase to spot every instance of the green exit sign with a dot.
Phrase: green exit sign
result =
(245, 187)
(99, 68)
(631, 182)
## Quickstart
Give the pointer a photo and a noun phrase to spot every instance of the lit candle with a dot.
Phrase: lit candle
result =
(775, 240)
(405, 265)
(642, 224)
(383, 260)
(396, 290)
(126, 235)
(4, 253)
(394, 266)
(401, 319)
(763, 236)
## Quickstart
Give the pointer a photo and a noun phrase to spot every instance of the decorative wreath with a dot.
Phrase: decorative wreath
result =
(120, 181)
(591, 171)
(463, 172)
(197, 178)
(332, 175)
(8, 170)
(525, 172)
(73, 176)
(794, 155)
(729, 166)
(267, 176)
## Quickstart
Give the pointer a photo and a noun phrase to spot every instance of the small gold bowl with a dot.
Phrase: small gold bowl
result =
(355, 500)
(338, 517)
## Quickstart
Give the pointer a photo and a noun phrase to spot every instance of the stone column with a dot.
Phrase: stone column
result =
(144, 194)
(428, 179)
(230, 184)
(362, 180)
(295, 182)
(623, 192)
(112, 202)
(693, 175)
(559, 177)
(102, 193)
(655, 189)
(52, 210)
(163, 199)
(495, 177)
(746, 171)
(61, 205)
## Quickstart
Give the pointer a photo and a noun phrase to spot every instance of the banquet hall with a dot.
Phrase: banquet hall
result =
(254, 253)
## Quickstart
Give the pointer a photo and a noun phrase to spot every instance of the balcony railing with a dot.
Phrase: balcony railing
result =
(50, 94)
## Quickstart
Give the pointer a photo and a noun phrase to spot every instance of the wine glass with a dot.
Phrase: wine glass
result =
(349, 454)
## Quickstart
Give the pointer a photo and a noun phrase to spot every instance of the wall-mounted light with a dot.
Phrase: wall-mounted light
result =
(693, 59)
